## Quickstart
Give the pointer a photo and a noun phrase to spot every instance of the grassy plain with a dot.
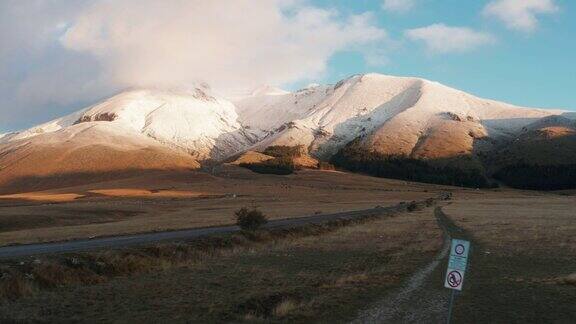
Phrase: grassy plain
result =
(522, 267)
(166, 201)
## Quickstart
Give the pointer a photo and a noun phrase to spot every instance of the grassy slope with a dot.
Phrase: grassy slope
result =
(327, 277)
(523, 249)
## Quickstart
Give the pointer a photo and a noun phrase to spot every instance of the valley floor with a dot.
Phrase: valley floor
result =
(168, 201)
(521, 269)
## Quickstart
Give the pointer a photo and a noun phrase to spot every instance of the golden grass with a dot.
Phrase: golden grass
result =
(285, 308)
(43, 197)
(169, 207)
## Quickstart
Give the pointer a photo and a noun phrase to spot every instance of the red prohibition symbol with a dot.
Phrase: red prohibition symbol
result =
(454, 279)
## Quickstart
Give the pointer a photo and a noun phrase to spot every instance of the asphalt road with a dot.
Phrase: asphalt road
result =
(155, 237)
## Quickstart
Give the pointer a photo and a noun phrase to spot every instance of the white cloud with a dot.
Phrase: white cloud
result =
(519, 14)
(398, 5)
(101, 46)
(150, 42)
(441, 39)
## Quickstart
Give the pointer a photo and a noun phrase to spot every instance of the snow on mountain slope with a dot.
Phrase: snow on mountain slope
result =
(83, 153)
(445, 124)
(135, 130)
(394, 115)
(329, 115)
(192, 121)
(150, 129)
(49, 127)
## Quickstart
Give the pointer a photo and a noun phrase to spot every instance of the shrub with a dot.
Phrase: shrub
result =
(250, 219)
(412, 206)
(14, 286)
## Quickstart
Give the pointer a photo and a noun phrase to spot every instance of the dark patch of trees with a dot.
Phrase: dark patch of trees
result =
(279, 166)
(538, 177)
(283, 151)
(355, 158)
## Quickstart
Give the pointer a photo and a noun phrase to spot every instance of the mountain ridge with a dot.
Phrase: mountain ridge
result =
(389, 115)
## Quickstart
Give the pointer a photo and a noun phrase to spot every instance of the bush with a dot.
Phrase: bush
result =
(14, 286)
(250, 219)
(413, 206)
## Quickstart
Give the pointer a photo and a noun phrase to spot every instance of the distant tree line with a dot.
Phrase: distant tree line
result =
(281, 164)
(538, 177)
(355, 158)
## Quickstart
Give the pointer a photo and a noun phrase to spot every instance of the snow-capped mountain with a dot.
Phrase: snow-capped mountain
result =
(140, 129)
(393, 115)
(192, 121)
(174, 129)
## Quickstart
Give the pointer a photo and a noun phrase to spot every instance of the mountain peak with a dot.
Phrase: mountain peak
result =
(269, 90)
(392, 115)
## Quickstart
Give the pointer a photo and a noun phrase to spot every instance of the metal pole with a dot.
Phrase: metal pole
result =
(450, 305)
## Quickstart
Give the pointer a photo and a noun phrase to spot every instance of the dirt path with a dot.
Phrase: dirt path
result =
(423, 299)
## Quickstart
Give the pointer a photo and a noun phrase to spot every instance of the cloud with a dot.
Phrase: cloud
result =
(441, 39)
(152, 43)
(519, 14)
(82, 50)
(398, 5)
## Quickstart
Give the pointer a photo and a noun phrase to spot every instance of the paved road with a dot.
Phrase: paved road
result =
(148, 238)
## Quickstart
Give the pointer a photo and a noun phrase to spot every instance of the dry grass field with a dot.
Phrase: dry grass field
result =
(521, 269)
(167, 200)
(322, 277)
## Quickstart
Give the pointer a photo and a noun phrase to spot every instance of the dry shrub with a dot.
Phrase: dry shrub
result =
(285, 308)
(52, 275)
(250, 219)
(128, 264)
(351, 279)
(14, 286)
(413, 206)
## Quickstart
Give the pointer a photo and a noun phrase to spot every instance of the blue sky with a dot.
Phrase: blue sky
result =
(57, 56)
(536, 68)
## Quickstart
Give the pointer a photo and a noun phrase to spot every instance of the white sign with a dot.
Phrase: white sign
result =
(457, 264)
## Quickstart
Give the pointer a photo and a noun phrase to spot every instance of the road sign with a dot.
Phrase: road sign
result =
(457, 264)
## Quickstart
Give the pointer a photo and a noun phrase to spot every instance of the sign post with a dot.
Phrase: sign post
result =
(456, 269)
